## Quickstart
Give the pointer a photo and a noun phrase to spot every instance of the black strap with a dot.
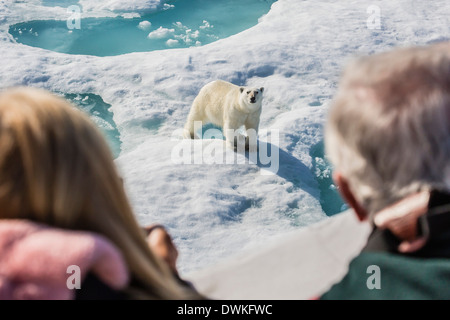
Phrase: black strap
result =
(438, 220)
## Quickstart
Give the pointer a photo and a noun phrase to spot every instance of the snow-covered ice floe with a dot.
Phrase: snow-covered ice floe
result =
(139, 6)
(296, 52)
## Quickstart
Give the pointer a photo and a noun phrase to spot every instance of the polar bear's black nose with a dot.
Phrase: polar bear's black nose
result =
(252, 99)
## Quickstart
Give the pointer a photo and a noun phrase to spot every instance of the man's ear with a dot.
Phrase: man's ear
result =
(347, 194)
(241, 89)
(261, 89)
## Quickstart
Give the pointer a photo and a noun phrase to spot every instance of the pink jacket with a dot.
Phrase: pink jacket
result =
(35, 260)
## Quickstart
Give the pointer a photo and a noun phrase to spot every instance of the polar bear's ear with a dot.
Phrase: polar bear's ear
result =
(241, 89)
(261, 89)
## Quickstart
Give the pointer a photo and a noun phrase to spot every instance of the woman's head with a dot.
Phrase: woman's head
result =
(53, 162)
(56, 168)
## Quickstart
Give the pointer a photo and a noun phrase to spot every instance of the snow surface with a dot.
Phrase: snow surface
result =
(296, 52)
(138, 6)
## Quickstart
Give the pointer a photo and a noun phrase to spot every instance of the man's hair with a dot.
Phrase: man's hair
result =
(388, 131)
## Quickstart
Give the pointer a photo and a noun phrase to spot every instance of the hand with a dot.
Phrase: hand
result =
(161, 244)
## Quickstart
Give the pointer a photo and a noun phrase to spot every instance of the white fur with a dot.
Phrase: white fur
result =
(228, 106)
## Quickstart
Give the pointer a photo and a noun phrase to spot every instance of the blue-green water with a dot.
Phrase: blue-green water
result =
(183, 23)
(99, 112)
(330, 200)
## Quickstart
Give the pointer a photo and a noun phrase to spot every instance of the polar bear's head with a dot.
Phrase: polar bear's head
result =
(251, 97)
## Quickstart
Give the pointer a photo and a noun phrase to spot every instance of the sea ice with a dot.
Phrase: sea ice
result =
(297, 52)
(160, 33)
(172, 42)
(145, 25)
(140, 6)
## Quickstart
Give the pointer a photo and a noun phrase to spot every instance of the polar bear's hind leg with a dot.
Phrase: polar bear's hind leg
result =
(194, 115)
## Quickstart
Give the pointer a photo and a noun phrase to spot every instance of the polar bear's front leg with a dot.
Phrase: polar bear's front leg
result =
(251, 127)
(233, 138)
(229, 134)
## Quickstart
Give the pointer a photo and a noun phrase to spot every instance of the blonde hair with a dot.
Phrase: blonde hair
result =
(56, 168)
(388, 130)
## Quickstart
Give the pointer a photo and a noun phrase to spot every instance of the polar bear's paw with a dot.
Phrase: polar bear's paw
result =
(243, 143)
(188, 135)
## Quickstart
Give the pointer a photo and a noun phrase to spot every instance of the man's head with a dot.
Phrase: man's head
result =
(388, 132)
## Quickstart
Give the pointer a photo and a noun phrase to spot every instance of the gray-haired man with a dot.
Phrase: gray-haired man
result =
(388, 137)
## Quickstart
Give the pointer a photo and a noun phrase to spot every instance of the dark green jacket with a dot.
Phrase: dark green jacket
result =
(380, 272)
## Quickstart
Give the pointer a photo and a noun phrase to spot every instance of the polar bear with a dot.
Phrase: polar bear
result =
(228, 106)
